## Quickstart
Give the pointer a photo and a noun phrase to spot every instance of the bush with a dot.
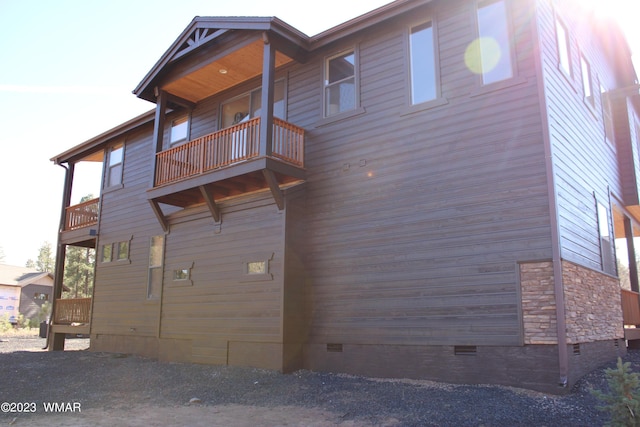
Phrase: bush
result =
(622, 401)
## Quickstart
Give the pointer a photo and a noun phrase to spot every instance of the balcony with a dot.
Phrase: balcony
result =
(80, 224)
(72, 316)
(228, 163)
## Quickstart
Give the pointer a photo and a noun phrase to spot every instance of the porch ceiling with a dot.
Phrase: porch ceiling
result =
(240, 65)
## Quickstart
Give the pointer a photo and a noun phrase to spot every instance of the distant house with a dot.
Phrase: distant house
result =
(440, 189)
(23, 291)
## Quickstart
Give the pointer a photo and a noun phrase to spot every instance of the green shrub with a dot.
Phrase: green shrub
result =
(622, 402)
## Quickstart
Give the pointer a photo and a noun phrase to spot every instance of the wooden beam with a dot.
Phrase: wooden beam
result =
(159, 214)
(207, 194)
(174, 99)
(158, 128)
(274, 186)
(266, 111)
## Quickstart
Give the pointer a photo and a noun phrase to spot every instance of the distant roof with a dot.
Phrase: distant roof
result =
(13, 275)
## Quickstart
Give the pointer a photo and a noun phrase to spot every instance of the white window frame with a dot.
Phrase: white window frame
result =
(587, 81)
(113, 165)
(485, 46)
(174, 137)
(413, 53)
(563, 46)
(327, 85)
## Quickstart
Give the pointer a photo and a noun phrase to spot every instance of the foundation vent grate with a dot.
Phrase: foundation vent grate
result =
(576, 349)
(334, 348)
(465, 350)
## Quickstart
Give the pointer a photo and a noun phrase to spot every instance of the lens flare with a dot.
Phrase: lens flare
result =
(482, 55)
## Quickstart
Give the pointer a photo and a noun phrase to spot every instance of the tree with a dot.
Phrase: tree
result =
(78, 271)
(78, 268)
(46, 261)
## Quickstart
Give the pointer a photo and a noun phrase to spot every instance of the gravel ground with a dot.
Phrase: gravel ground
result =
(126, 385)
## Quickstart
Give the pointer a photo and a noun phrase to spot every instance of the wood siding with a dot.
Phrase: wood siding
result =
(585, 163)
(415, 222)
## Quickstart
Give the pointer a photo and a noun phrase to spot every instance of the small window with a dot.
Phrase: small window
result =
(340, 83)
(423, 64)
(156, 259)
(587, 88)
(606, 250)
(181, 274)
(106, 253)
(114, 162)
(564, 52)
(123, 251)
(494, 41)
(257, 267)
(607, 115)
(40, 296)
(179, 130)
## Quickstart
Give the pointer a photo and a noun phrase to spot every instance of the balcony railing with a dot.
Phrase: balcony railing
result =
(82, 215)
(225, 147)
(630, 307)
(76, 310)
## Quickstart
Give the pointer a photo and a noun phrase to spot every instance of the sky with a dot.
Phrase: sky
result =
(67, 70)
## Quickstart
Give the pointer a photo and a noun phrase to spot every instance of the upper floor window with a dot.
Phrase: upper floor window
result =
(340, 93)
(564, 53)
(495, 41)
(179, 130)
(587, 88)
(607, 115)
(114, 165)
(423, 63)
(249, 105)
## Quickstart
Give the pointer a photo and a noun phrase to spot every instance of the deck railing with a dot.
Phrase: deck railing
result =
(228, 146)
(74, 310)
(81, 215)
(630, 307)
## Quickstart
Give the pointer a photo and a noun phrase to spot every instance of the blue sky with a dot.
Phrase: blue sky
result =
(67, 71)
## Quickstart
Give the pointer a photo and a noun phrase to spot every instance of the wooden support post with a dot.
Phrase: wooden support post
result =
(55, 341)
(158, 128)
(274, 186)
(266, 118)
(631, 251)
(155, 206)
(207, 194)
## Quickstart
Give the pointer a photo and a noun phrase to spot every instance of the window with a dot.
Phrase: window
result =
(179, 130)
(123, 251)
(494, 41)
(340, 83)
(106, 253)
(114, 165)
(423, 64)
(604, 230)
(248, 106)
(607, 115)
(586, 80)
(117, 251)
(40, 296)
(156, 259)
(182, 274)
(564, 52)
(257, 267)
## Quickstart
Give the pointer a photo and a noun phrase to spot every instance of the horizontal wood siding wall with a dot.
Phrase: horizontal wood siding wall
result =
(120, 305)
(221, 304)
(415, 222)
(585, 164)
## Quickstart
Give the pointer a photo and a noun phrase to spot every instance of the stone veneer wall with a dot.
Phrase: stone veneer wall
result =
(593, 305)
(538, 303)
(593, 309)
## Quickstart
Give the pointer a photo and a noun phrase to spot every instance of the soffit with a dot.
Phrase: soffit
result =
(240, 65)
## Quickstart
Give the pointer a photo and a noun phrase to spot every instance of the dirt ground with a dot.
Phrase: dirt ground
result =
(145, 415)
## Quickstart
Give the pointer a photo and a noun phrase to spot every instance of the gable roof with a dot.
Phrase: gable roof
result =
(12, 275)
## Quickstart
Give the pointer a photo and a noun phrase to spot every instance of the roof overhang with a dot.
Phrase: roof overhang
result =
(214, 53)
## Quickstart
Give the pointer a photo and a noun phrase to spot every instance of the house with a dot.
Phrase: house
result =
(23, 291)
(445, 190)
